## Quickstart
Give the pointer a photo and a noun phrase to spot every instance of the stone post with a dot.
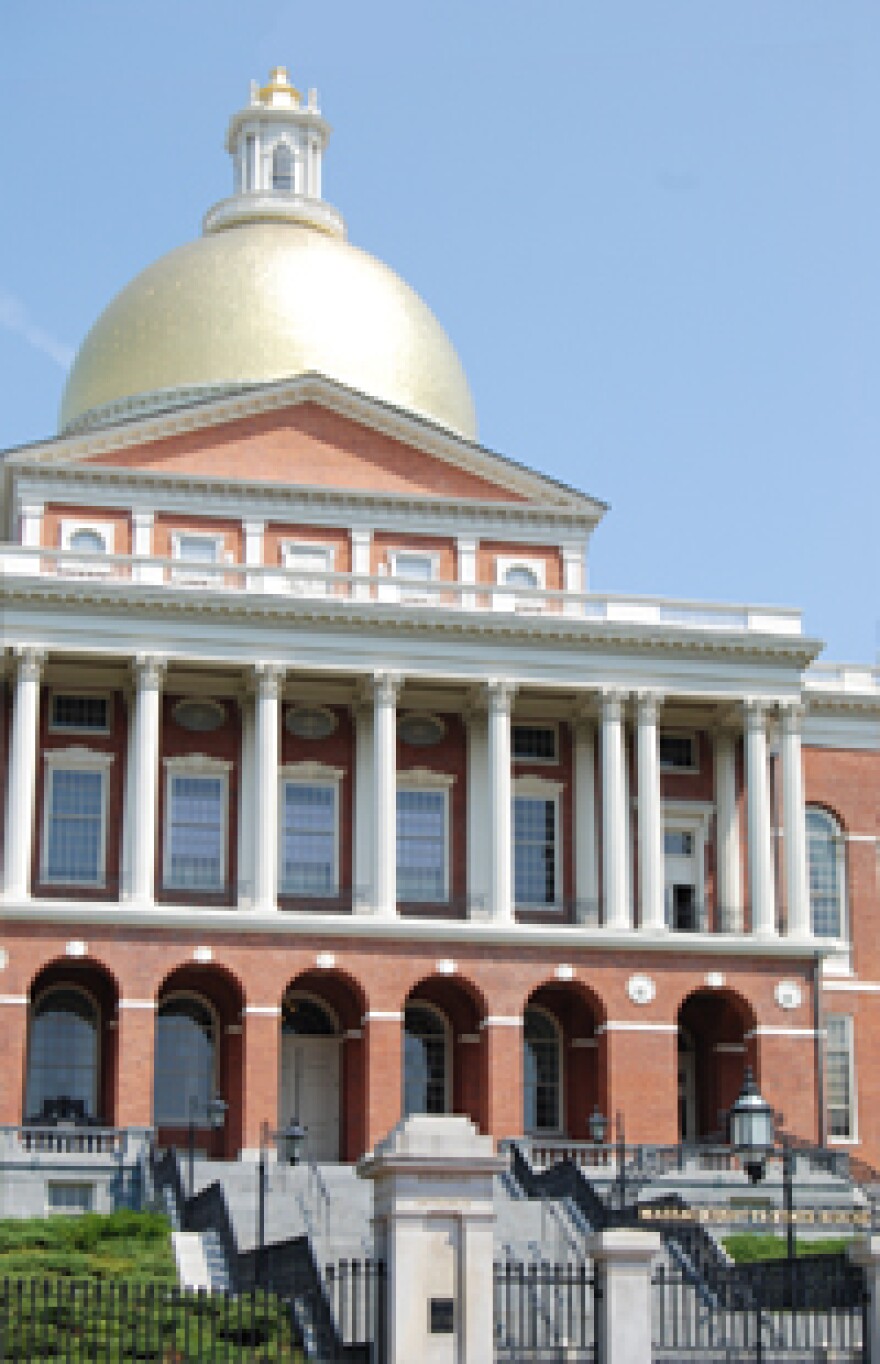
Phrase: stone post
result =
(623, 1260)
(864, 1251)
(434, 1219)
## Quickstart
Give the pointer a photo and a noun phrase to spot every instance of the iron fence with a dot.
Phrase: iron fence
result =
(546, 1312)
(759, 1324)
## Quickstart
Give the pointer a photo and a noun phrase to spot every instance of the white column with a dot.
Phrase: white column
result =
(728, 864)
(499, 696)
(142, 548)
(467, 571)
(30, 522)
(586, 862)
(361, 550)
(573, 577)
(268, 679)
(385, 689)
(477, 786)
(144, 787)
(651, 876)
(247, 801)
(760, 835)
(253, 551)
(794, 824)
(363, 887)
(21, 784)
(615, 818)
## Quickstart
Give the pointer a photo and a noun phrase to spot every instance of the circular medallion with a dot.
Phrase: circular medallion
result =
(310, 722)
(641, 989)
(788, 994)
(421, 731)
(199, 716)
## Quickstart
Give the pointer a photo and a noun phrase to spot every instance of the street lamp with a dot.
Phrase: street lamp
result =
(752, 1137)
(621, 1159)
(598, 1125)
(291, 1140)
(215, 1114)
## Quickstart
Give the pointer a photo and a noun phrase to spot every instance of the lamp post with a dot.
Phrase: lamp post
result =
(598, 1125)
(621, 1160)
(215, 1113)
(261, 1207)
(752, 1137)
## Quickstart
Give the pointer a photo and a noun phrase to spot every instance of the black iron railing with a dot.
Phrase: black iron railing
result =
(545, 1312)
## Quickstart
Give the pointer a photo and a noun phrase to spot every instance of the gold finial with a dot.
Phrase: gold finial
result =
(279, 92)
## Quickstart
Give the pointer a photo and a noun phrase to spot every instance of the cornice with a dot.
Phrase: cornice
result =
(797, 651)
(415, 431)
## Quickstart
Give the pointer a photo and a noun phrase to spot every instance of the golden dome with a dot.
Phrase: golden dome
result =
(263, 301)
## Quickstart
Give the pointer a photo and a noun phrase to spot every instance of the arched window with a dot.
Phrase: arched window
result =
(302, 1016)
(425, 1061)
(87, 541)
(825, 863)
(186, 1062)
(282, 168)
(63, 1052)
(542, 1054)
(520, 575)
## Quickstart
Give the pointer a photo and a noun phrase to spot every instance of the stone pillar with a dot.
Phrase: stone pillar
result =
(383, 1037)
(477, 786)
(13, 1057)
(135, 1053)
(623, 1260)
(247, 802)
(363, 872)
(651, 877)
(361, 549)
(615, 817)
(385, 691)
(502, 1040)
(434, 1219)
(572, 579)
(144, 787)
(266, 734)
(864, 1251)
(467, 571)
(760, 833)
(21, 783)
(794, 825)
(586, 859)
(259, 1074)
(253, 553)
(500, 696)
(728, 894)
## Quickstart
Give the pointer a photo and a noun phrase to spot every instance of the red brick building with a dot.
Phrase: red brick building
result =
(329, 788)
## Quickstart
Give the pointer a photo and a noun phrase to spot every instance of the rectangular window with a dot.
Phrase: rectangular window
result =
(74, 827)
(70, 1197)
(411, 573)
(199, 553)
(308, 838)
(79, 714)
(534, 850)
(534, 743)
(307, 566)
(196, 832)
(678, 751)
(839, 1077)
(678, 843)
(422, 856)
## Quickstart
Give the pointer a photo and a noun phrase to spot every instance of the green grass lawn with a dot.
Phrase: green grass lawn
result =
(745, 1248)
(105, 1288)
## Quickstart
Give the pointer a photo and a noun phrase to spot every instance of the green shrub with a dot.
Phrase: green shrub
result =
(747, 1248)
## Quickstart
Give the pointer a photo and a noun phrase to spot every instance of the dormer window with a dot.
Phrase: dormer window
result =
(412, 572)
(91, 539)
(200, 553)
(282, 169)
(308, 566)
(524, 578)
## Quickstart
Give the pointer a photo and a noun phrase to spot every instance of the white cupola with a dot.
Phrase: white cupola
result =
(277, 145)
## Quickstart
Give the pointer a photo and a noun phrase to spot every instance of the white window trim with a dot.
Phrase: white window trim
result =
(449, 1059)
(211, 1008)
(508, 600)
(91, 565)
(410, 590)
(523, 722)
(843, 939)
(199, 765)
(545, 789)
(53, 1211)
(310, 774)
(80, 692)
(688, 817)
(196, 574)
(680, 733)
(74, 760)
(559, 1130)
(300, 582)
(424, 779)
(853, 1139)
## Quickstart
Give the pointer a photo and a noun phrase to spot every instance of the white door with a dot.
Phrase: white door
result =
(680, 871)
(310, 1093)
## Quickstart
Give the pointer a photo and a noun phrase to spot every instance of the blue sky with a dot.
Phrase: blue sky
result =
(651, 229)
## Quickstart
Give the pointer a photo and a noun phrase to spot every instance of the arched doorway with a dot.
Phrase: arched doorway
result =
(198, 1058)
(443, 1060)
(71, 1052)
(715, 1043)
(322, 1066)
(563, 1060)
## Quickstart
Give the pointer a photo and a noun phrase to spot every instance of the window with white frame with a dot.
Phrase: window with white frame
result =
(534, 743)
(412, 572)
(196, 805)
(198, 552)
(93, 540)
(542, 1078)
(282, 169)
(309, 841)
(69, 1197)
(840, 1077)
(79, 713)
(426, 1069)
(825, 866)
(184, 1072)
(307, 566)
(63, 1051)
(75, 817)
(423, 837)
(536, 843)
(525, 578)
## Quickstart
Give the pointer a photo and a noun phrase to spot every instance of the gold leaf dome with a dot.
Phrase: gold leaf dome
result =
(259, 301)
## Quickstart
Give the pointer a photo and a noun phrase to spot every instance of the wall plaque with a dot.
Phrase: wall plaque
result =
(442, 1316)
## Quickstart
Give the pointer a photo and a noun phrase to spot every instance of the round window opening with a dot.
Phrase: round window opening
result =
(201, 717)
(421, 731)
(310, 722)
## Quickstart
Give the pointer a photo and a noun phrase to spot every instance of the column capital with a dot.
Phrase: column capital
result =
(268, 680)
(148, 669)
(755, 710)
(648, 704)
(29, 662)
(612, 701)
(498, 694)
(792, 714)
(143, 517)
(384, 688)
